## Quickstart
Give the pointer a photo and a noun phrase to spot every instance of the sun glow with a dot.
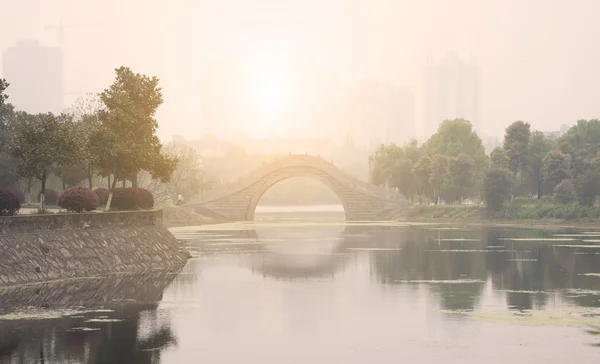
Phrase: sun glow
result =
(270, 96)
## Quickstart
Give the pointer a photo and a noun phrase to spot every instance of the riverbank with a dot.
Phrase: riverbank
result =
(533, 215)
(40, 248)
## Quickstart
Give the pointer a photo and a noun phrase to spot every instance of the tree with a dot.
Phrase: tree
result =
(85, 113)
(538, 147)
(43, 143)
(3, 86)
(456, 137)
(556, 168)
(565, 192)
(8, 128)
(439, 176)
(422, 171)
(497, 187)
(499, 158)
(586, 182)
(584, 139)
(516, 142)
(462, 175)
(125, 142)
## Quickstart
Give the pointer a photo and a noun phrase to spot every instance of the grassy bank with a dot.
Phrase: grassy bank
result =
(519, 212)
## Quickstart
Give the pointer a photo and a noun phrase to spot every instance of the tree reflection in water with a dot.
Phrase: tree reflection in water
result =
(136, 336)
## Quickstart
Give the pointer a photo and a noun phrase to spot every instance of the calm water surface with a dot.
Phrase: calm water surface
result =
(309, 288)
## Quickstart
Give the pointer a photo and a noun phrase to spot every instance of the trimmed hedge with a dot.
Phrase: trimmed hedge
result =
(102, 194)
(145, 199)
(9, 202)
(19, 194)
(78, 199)
(127, 199)
(51, 197)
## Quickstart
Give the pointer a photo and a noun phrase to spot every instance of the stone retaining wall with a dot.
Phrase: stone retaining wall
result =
(48, 247)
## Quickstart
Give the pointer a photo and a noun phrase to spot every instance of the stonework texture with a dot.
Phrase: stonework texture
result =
(50, 247)
(361, 200)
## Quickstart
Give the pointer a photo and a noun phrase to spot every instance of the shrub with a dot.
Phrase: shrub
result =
(51, 197)
(132, 199)
(78, 199)
(19, 194)
(565, 192)
(145, 199)
(123, 199)
(102, 194)
(9, 202)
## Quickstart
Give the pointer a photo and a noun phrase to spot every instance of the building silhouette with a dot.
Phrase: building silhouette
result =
(451, 90)
(35, 75)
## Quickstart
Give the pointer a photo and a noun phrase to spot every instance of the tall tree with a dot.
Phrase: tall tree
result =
(539, 146)
(462, 175)
(499, 158)
(422, 171)
(497, 187)
(516, 142)
(3, 86)
(556, 168)
(584, 141)
(455, 137)
(8, 127)
(126, 141)
(439, 175)
(43, 143)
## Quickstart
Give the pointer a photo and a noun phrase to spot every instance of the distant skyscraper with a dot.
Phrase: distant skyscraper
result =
(379, 114)
(35, 75)
(451, 90)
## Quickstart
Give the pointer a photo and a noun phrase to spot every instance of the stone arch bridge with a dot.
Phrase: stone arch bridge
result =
(237, 202)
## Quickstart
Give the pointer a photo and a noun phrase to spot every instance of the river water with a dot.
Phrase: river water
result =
(309, 288)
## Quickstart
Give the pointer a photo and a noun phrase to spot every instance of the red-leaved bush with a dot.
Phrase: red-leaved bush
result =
(19, 194)
(127, 199)
(102, 194)
(9, 202)
(78, 199)
(51, 197)
(145, 199)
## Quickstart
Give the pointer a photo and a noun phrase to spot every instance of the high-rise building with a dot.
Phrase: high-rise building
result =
(35, 75)
(377, 113)
(451, 91)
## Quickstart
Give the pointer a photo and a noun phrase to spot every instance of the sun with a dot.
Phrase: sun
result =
(270, 96)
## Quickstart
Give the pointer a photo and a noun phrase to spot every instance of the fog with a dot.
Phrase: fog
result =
(537, 59)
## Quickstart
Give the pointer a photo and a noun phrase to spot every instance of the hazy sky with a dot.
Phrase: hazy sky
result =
(539, 59)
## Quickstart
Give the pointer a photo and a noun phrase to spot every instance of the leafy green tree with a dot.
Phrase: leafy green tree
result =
(565, 192)
(499, 158)
(392, 165)
(586, 182)
(3, 86)
(556, 168)
(456, 137)
(125, 142)
(439, 175)
(497, 187)
(43, 143)
(516, 143)
(462, 175)
(584, 141)
(85, 113)
(7, 130)
(538, 147)
(422, 172)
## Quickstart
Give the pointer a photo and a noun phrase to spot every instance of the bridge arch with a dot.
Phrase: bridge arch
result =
(238, 201)
(284, 174)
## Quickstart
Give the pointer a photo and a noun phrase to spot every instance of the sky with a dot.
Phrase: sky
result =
(538, 59)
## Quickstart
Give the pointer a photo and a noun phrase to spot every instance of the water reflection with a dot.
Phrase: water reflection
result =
(349, 292)
(98, 320)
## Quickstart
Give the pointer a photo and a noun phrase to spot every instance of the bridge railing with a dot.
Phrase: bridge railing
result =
(291, 160)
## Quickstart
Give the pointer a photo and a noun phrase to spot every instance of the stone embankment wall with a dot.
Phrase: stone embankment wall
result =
(57, 246)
